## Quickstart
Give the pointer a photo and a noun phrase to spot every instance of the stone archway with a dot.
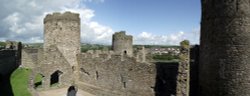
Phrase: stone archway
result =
(55, 77)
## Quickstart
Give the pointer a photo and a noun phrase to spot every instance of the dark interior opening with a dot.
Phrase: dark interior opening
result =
(124, 85)
(71, 91)
(166, 78)
(54, 78)
(97, 75)
(125, 52)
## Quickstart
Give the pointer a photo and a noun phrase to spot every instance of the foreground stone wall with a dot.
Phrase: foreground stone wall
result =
(225, 47)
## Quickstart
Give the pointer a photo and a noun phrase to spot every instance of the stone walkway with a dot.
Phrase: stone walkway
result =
(63, 92)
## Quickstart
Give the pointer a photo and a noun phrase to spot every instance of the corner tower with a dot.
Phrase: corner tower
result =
(122, 43)
(63, 31)
(225, 48)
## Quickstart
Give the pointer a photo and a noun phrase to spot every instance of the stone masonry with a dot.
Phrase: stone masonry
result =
(63, 30)
(122, 43)
(61, 44)
(183, 70)
(225, 47)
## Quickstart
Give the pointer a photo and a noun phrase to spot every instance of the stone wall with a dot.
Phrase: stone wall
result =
(225, 46)
(9, 61)
(122, 43)
(63, 30)
(116, 76)
(29, 58)
(53, 63)
(183, 77)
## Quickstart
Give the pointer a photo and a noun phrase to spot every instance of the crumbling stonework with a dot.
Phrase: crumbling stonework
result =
(183, 77)
(225, 47)
(122, 43)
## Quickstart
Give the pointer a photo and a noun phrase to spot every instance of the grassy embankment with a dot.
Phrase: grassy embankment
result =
(19, 81)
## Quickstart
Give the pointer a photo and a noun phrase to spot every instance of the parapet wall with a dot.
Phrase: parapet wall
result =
(62, 16)
(116, 76)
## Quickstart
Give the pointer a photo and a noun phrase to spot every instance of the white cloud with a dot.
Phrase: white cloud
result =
(92, 31)
(167, 39)
(22, 20)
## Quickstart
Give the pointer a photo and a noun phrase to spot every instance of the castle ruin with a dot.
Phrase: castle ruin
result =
(116, 72)
(218, 67)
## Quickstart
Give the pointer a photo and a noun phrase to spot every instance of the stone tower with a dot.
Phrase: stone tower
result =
(63, 31)
(61, 45)
(122, 43)
(225, 48)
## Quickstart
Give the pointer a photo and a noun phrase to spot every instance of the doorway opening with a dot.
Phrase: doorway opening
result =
(55, 77)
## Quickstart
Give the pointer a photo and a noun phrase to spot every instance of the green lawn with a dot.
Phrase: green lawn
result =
(19, 82)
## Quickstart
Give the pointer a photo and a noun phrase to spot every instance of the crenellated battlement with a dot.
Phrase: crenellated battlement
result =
(62, 16)
(122, 35)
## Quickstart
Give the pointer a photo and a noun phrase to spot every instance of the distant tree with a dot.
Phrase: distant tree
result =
(2, 44)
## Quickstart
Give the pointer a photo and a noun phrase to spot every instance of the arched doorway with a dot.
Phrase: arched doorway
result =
(71, 91)
(55, 77)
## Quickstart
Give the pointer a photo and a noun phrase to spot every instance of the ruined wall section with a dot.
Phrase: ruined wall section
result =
(53, 63)
(63, 30)
(183, 77)
(61, 45)
(117, 76)
(122, 43)
(29, 58)
(225, 47)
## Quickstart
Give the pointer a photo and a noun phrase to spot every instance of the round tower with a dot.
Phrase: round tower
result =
(122, 43)
(225, 48)
(63, 31)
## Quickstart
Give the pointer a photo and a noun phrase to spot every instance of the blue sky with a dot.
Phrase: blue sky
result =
(154, 22)
(158, 16)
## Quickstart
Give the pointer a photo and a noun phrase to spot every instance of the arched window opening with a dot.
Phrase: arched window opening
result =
(54, 78)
